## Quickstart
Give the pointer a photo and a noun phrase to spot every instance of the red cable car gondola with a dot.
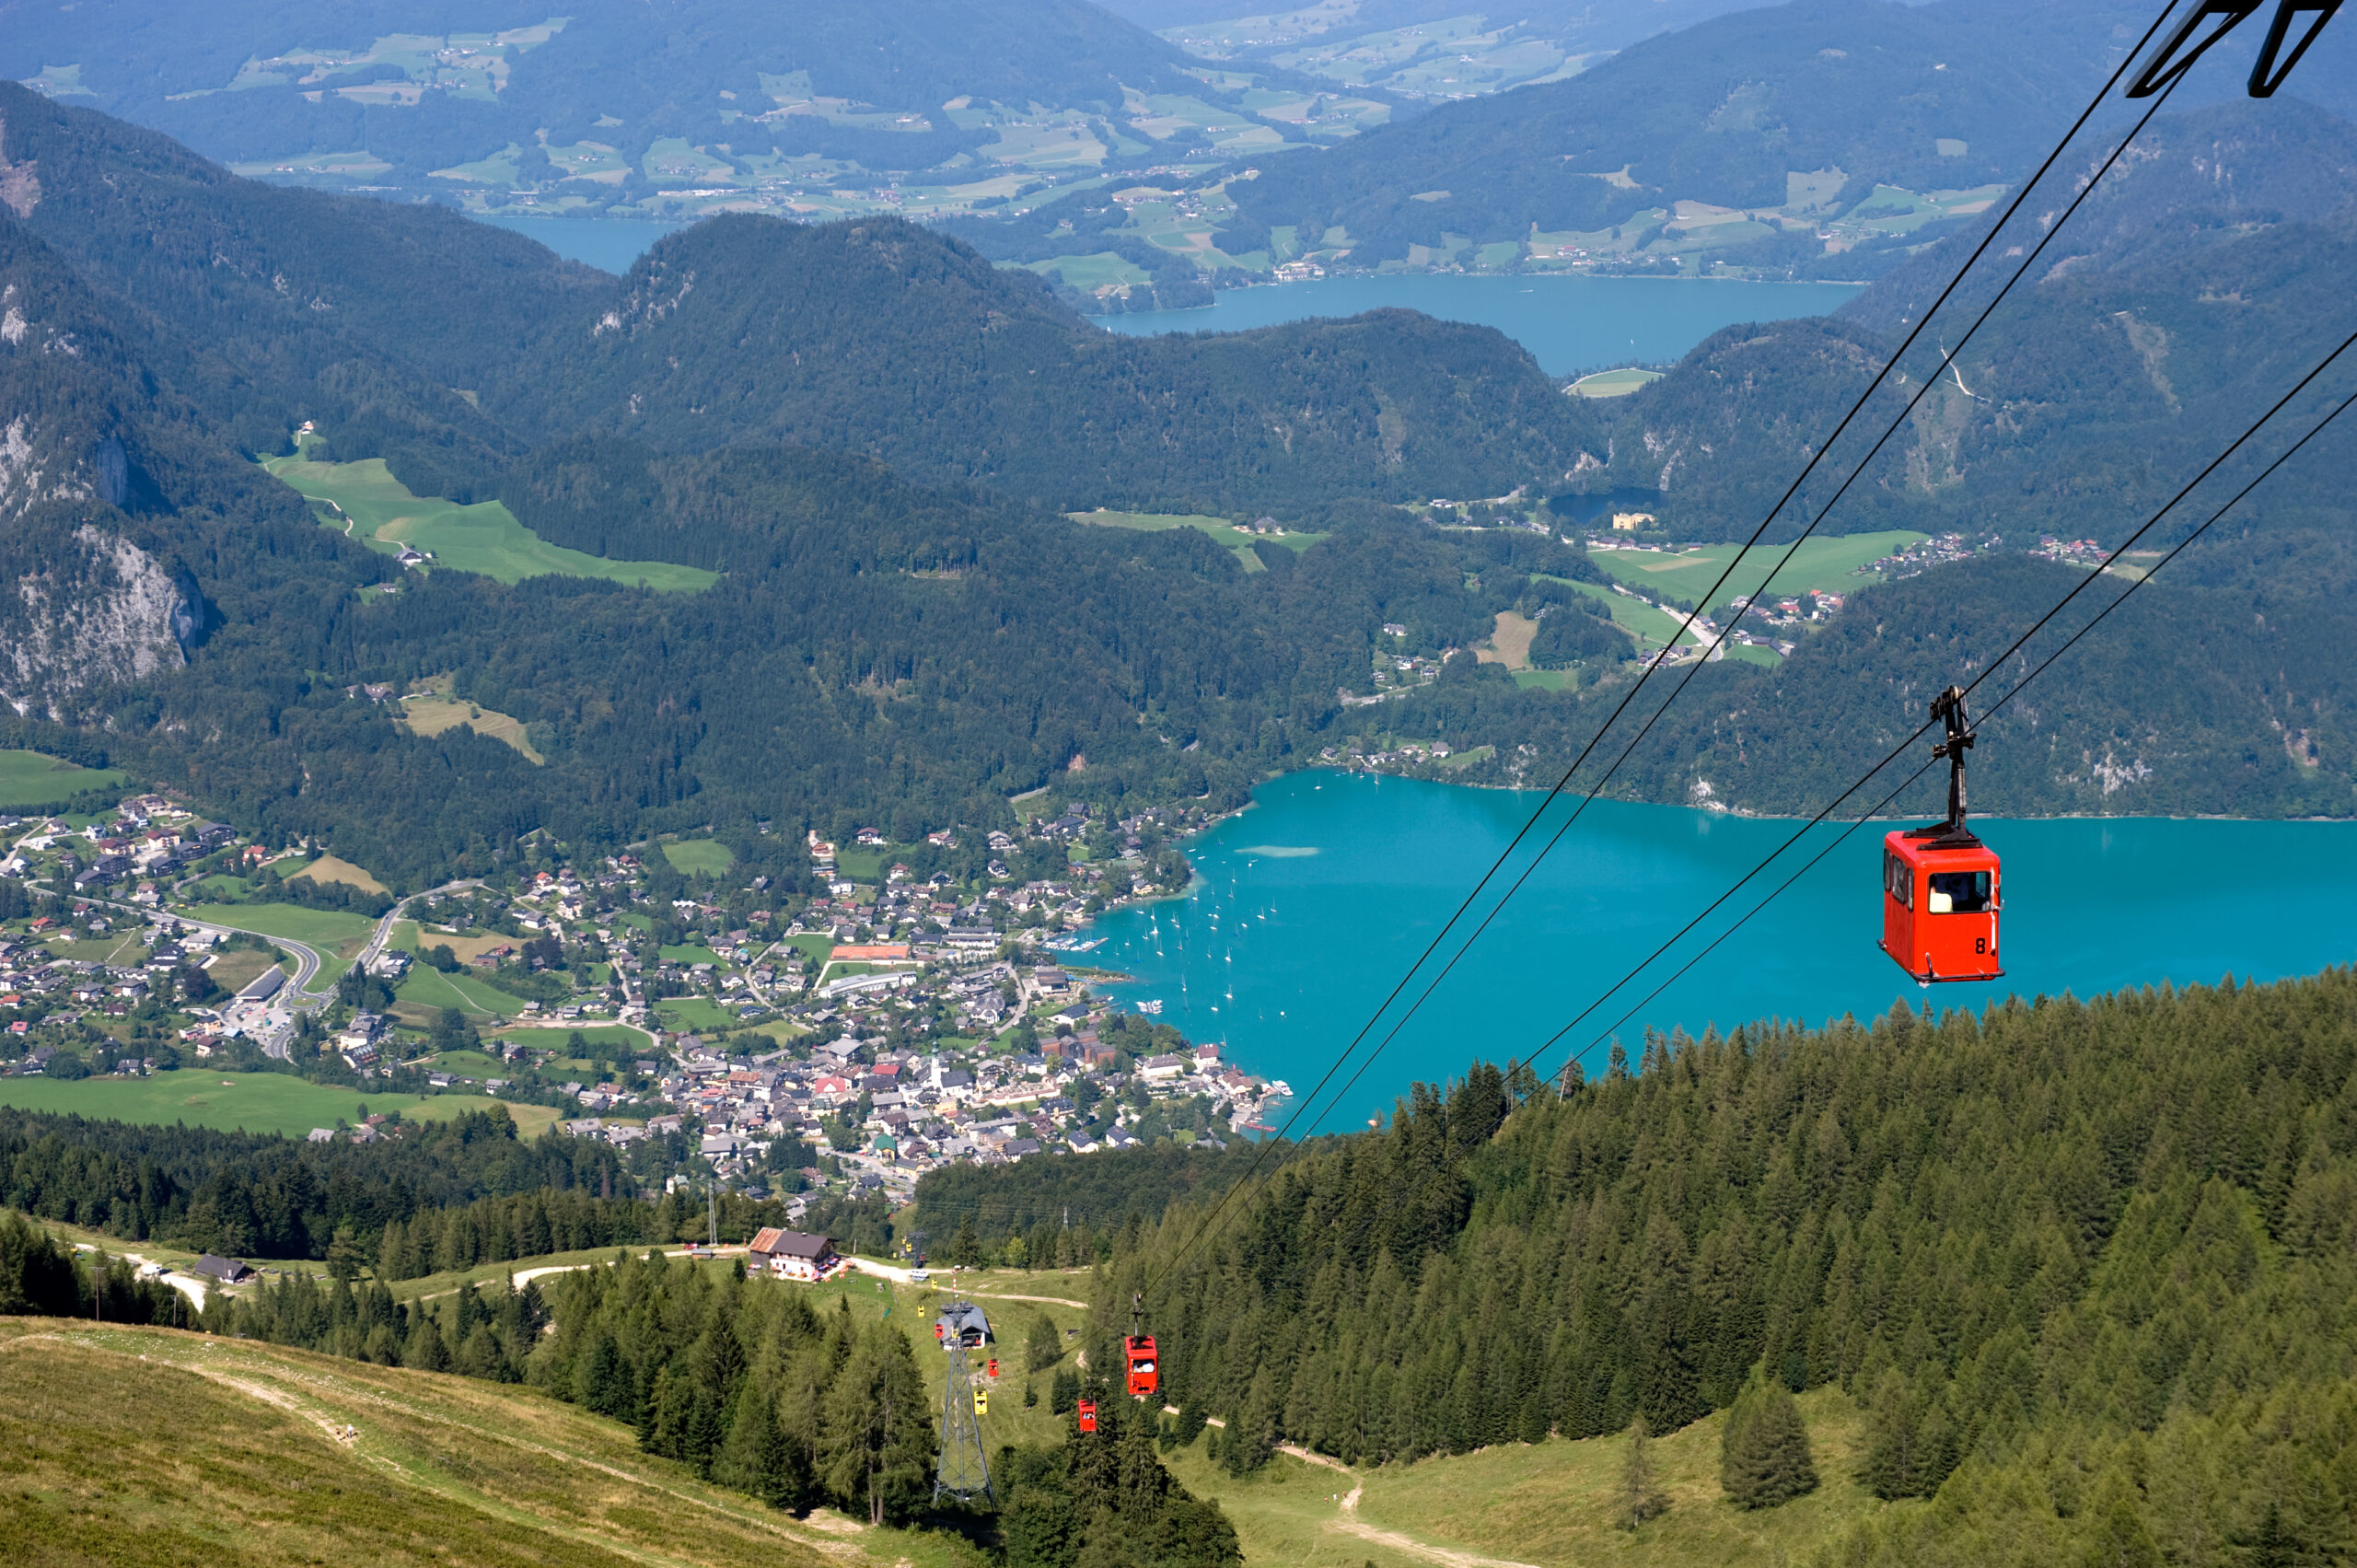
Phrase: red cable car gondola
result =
(1088, 1415)
(1137, 1350)
(1941, 886)
(1144, 1376)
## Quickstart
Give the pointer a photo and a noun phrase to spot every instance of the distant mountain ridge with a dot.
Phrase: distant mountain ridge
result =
(885, 338)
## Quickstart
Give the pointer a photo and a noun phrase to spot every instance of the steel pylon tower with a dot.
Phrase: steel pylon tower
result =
(965, 1471)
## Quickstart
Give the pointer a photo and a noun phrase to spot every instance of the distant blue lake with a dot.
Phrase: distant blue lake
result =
(1567, 323)
(610, 245)
(1308, 908)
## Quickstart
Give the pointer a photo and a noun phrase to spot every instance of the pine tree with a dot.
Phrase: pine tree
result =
(1641, 1496)
(1764, 1453)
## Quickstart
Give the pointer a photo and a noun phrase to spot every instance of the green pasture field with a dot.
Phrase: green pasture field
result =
(485, 538)
(1220, 530)
(1614, 383)
(258, 1102)
(425, 986)
(863, 864)
(1652, 627)
(689, 953)
(708, 857)
(811, 945)
(323, 928)
(1090, 273)
(695, 1013)
(1826, 565)
(558, 1039)
(1753, 652)
(27, 778)
(1547, 679)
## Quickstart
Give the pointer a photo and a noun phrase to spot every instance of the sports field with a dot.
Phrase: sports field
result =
(707, 857)
(27, 778)
(1824, 565)
(368, 503)
(258, 1102)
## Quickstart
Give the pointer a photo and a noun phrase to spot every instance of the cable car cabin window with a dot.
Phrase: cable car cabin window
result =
(1958, 893)
(1899, 879)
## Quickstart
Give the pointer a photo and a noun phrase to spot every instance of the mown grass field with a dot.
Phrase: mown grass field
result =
(27, 778)
(258, 1102)
(1824, 565)
(431, 716)
(160, 1449)
(707, 857)
(485, 538)
(327, 869)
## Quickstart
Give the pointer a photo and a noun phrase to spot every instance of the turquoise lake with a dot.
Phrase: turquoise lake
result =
(1308, 909)
(1568, 324)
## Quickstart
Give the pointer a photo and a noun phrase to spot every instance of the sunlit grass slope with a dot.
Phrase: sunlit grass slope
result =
(150, 1447)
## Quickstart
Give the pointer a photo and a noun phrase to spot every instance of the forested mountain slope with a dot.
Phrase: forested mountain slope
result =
(2190, 701)
(887, 339)
(1946, 96)
(2084, 1263)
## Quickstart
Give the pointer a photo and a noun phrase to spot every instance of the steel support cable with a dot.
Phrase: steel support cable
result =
(2012, 209)
(1695, 668)
(2014, 690)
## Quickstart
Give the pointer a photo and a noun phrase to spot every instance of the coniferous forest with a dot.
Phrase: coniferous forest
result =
(2085, 1265)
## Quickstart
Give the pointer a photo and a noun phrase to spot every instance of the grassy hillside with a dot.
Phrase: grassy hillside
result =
(1545, 1504)
(148, 1447)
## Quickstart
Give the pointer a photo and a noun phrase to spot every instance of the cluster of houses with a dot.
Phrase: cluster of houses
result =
(43, 989)
(895, 1111)
(146, 837)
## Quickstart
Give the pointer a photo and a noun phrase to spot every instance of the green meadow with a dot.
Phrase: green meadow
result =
(1220, 530)
(27, 778)
(425, 986)
(366, 502)
(707, 857)
(258, 1102)
(1824, 565)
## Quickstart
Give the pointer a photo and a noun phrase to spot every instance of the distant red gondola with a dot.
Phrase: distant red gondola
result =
(1088, 1415)
(1941, 888)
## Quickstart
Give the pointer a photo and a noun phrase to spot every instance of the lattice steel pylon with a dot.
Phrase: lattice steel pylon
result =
(965, 1471)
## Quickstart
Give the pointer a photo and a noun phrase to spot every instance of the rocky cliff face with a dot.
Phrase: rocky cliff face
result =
(97, 611)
